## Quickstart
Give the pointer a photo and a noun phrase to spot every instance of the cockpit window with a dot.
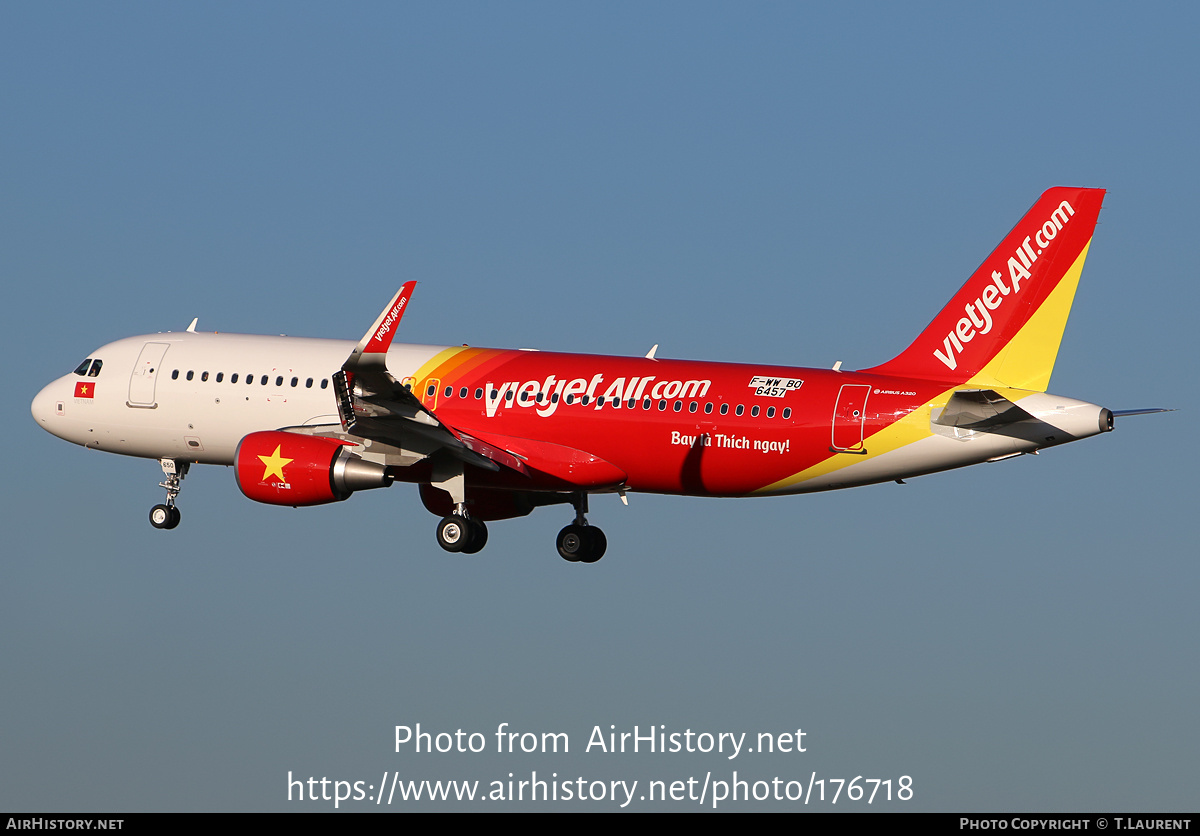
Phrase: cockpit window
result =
(96, 364)
(83, 367)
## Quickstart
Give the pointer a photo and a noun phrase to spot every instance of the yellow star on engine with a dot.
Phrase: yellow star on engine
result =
(274, 464)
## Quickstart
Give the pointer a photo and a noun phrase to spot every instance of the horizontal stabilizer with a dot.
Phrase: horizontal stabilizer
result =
(1121, 413)
(980, 409)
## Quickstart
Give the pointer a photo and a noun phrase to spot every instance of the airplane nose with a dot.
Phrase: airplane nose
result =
(43, 406)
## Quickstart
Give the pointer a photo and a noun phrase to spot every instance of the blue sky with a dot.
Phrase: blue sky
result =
(782, 183)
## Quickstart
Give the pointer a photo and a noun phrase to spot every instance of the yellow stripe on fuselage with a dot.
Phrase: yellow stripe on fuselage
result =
(434, 364)
(911, 428)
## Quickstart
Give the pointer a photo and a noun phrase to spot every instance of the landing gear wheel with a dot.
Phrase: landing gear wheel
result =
(573, 543)
(454, 533)
(164, 516)
(478, 538)
(597, 543)
(167, 516)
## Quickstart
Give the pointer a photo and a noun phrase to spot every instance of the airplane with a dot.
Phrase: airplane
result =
(490, 434)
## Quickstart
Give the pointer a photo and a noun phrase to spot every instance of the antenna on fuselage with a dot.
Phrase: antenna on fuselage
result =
(650, 353)
(192, 327)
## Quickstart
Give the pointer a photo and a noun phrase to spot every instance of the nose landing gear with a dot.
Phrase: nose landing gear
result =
(164, 516)
(167, 516)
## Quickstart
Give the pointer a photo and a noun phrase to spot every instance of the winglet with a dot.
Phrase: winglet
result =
(372, 348)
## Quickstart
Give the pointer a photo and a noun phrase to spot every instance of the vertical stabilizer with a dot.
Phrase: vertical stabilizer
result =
(1004, 326)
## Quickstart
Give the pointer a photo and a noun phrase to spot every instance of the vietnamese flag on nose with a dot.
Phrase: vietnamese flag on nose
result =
(85, 390)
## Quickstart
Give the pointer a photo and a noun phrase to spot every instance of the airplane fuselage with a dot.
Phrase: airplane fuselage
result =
(655, 425)
(490, 434)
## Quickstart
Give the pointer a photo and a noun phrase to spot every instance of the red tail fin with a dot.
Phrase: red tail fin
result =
(1004, 326)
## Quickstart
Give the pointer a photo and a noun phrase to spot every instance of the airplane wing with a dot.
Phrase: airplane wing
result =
(374, 405)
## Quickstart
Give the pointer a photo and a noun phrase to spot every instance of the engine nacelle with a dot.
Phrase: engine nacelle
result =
(282, 468)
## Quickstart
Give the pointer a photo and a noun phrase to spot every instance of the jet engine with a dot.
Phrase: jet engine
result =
(282, 468)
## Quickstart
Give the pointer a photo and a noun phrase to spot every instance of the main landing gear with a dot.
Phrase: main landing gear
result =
(457, 532)
(580, 542)
(460, 533)
(577, 543)
(167, 516)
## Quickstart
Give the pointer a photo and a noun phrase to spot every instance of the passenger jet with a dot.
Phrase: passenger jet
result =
(490, 434)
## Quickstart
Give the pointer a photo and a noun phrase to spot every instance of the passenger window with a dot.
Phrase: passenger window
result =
(463, 392)
(430, 390)
(175, 375)
(662, 406)
(325, 383)
(724, 409)
(770, 412)
(478, 394)
(249, 379)
(740, 409)
(233, 377)
(449, 391)
(279, 380)
(204, 377)
(708, 408)
(692, 407)
(264, 380)
(678, 405)
(787, 412)
(754, 411)
(295, 382)
(220, 376)
(308, 383)
(190, 374)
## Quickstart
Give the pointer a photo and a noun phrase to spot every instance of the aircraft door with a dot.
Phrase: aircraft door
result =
(145, 373)
(429, 392)
(848, 417)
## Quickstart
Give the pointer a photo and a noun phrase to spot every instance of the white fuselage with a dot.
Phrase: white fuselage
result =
(173, 405)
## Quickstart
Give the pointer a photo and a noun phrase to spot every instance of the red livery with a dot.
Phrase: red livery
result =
(491, 434)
